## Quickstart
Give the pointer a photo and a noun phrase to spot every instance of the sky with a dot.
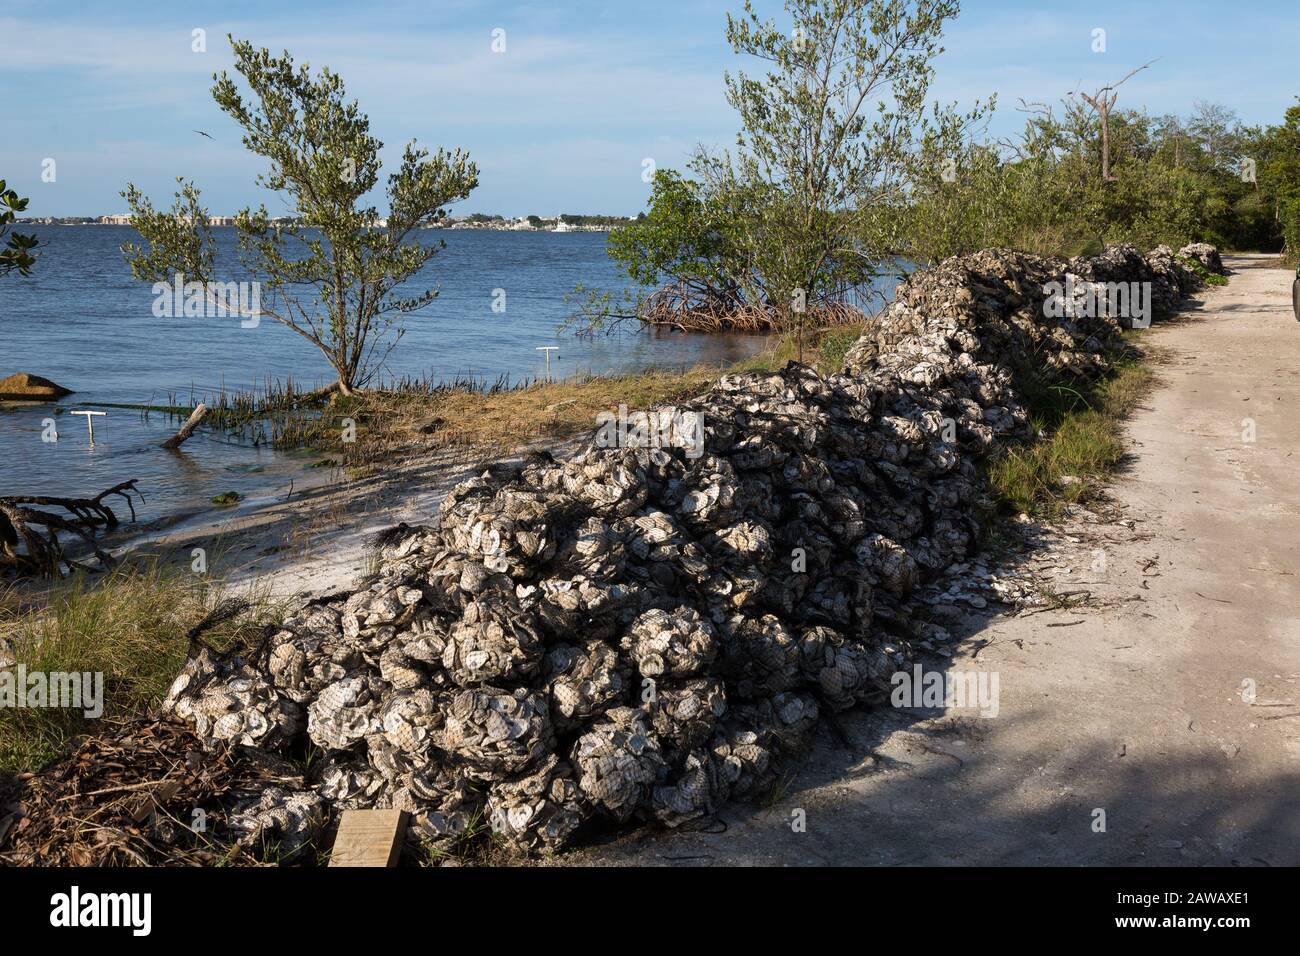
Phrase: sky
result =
(563, 119)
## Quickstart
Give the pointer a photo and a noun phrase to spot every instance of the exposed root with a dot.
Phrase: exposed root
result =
(689, 309)
(37, 532)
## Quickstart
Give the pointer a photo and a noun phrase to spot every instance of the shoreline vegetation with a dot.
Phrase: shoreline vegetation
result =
(774, 236)
(418, 413)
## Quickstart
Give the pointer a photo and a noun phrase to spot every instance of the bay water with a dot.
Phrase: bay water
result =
(84, 322)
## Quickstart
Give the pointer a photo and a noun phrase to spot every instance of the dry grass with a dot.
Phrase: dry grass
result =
(548, 410)
(398, 421)
(394, 423)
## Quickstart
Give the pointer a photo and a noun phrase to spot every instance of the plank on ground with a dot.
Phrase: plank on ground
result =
(369, 838)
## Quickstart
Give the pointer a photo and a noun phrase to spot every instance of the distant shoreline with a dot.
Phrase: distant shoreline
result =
(550, 224)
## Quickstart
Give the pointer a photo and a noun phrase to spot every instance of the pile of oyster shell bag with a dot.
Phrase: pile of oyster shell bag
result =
(642, 633)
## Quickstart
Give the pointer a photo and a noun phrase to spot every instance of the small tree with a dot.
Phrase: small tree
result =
(16, 253)
(836, 127)
(1217, 131)
(805, 208)
(329, 274)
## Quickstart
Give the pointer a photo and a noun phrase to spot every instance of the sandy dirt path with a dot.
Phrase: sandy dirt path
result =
(1173, 707)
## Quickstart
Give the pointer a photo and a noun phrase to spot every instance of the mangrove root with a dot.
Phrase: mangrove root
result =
(689, 308)
(37, 532)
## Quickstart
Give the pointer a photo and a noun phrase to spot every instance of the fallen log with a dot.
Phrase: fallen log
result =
(187, 429)
(44, 555)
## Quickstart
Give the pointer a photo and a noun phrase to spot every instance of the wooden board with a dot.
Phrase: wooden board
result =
(369, 838)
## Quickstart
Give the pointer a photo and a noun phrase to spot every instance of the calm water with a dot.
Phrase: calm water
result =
(82, 321)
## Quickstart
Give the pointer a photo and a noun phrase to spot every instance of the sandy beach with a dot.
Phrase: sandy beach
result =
(317, 538)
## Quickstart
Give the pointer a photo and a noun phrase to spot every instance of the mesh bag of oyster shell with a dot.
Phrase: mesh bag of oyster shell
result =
(638, 633)
(148, 793)
(1206, 254)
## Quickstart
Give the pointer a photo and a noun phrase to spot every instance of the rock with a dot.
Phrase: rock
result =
(25, 387)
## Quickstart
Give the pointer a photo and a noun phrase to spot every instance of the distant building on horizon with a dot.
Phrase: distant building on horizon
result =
(124, 219)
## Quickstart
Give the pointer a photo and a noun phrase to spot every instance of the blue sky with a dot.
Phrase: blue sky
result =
(561, 121)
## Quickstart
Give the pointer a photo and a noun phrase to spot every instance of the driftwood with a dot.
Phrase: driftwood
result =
(38, 531)
(187, 429)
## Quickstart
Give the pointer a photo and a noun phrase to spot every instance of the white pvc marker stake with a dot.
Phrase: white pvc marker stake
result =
(90, 422)
(548, 349)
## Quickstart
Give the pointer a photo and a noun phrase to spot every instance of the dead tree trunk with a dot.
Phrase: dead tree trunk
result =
(1103, 101)
(187, 429)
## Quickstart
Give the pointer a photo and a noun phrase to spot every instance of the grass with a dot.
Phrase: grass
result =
(835, 344)
(130, 625)
(512, 417)
(418, 416)
(545, 410)
(1206, 276)
(1081, 444)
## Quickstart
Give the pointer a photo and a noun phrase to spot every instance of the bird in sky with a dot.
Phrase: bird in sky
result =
(201, 133)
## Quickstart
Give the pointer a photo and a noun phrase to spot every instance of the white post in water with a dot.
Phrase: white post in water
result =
(548, 349)
(90, 422)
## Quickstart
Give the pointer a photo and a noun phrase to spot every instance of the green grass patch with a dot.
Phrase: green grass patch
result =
(1208, 277)
(835, 345)
(1081, 445)
(128, 625)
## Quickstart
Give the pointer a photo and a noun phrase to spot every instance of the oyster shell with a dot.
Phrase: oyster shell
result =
(670, 644)
(495, 731)
(288, 820)
(641, 632)
(618, 761)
